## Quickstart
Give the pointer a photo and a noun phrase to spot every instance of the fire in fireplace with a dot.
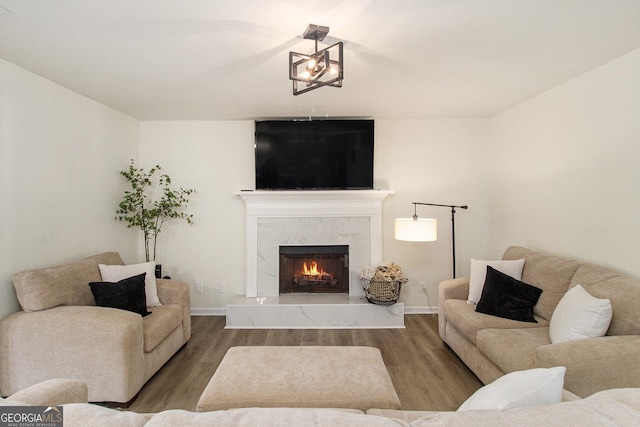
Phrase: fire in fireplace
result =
(314, 269)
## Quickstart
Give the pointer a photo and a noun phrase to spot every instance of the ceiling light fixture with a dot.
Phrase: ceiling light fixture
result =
(322, 68)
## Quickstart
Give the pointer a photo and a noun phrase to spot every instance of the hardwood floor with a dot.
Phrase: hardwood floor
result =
(425, 374)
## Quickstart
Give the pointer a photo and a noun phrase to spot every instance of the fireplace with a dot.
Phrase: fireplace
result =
(314, 269)
(285, 218)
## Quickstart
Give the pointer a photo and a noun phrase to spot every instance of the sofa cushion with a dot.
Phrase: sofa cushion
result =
(61, 285)
(504, 296)
(478, 274)
(127, 294)
(85, 414)
(271, 417)
(53, 392)
(618, 407)
(9, 402)
(413, 415)
(550, 273)
(114, 273)
(468, 321)
(512, 349)
(531, 387)
(623, 292)
(163, 320)
(579, 315)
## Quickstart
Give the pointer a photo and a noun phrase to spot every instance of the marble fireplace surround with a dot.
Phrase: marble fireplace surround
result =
(274, 218)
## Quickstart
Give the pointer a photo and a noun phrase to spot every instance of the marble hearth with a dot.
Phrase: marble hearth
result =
(312, 311)
(276, 218)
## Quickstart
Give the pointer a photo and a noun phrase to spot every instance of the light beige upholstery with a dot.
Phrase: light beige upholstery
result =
(307, 376)
(619, 407)
(52, 392)
(271, 417)
(411, 416)
(491, 346)
(61, 285)
(520, 354)
(550, 273)
(595, 363)
(469, 322)
(62, 333)
(84, 415)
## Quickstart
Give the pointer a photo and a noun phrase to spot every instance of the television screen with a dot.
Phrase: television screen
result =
(314, 154)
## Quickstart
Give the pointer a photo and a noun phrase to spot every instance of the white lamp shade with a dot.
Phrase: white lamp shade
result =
(416, 230)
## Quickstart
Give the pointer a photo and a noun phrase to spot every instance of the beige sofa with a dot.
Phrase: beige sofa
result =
(612, 407)
(61, 333)
(492, 346)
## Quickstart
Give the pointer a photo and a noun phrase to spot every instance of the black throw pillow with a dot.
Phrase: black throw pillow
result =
(504, 296)
(127, 294)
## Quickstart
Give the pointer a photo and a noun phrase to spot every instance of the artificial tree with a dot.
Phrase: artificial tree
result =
(139, 209)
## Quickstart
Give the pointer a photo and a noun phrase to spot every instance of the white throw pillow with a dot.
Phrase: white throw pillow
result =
(579, 315)
(478, 274)
(115, 273)
(539, 386)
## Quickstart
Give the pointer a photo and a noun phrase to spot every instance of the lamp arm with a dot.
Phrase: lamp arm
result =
(453, 225)
(443, 206)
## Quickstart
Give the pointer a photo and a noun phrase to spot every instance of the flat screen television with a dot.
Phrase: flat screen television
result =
(314, 154)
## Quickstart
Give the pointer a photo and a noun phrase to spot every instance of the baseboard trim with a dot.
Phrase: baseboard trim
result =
(418, 309)
(208, 311)
(222, 311)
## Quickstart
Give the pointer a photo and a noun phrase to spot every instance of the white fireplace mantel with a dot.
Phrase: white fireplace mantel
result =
(309, 204)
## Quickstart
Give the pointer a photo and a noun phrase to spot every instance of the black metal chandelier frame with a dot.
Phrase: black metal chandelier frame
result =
(324, 67)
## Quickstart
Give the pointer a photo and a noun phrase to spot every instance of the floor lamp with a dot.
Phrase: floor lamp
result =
(426, 229)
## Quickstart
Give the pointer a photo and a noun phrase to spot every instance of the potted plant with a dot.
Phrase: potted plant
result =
(139, 209)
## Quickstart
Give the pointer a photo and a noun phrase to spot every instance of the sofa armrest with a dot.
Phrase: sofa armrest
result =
(101, 346)
(53, 393)
(453, 289)
(450, 289)
(172, 291)
(595, 364)
(177, 292)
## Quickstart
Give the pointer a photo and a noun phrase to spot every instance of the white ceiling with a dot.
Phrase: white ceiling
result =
(228, 59)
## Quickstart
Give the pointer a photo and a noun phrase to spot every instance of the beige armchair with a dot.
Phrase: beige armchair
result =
(62, 334)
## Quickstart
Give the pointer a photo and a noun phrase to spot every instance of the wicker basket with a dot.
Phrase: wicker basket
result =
(382, 292)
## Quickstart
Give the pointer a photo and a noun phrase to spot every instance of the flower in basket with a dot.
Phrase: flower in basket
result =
(383, 272)
(382, 283)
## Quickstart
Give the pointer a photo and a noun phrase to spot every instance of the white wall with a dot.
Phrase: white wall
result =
(215, 158)
(565, 169)
(60, 154)
(438, 161)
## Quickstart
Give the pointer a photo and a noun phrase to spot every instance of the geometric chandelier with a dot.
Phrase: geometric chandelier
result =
(322, 68)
